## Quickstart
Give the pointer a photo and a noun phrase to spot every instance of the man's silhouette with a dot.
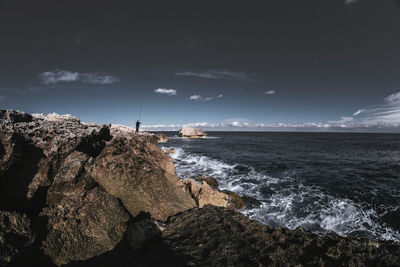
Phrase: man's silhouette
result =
(137, 126)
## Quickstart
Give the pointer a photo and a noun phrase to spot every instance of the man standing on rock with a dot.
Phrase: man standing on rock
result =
(137, 126)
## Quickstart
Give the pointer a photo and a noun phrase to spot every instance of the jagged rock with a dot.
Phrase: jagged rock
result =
(215, 236)
(162, 138)
(236, 201)
(12, 116)
(84, 224)
(209, 180)
(192, 132)
(170, 151)
(15, 235)
(142, 176)
(204, 194)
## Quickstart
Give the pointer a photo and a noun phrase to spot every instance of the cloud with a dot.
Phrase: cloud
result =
(270, 92)
(165, 91)
(218, 74)
(195, 97)
(379, 118)
(2, 97)
(200, 98)
(342, 120)
(358, 112)
(349, 2)
(65, 76)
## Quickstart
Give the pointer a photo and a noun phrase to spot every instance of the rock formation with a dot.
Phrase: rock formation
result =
(189, 132)
(215, 236)
(94, 195)
(84, 182)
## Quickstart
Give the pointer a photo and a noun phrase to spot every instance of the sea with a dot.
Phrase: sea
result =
(343, 183)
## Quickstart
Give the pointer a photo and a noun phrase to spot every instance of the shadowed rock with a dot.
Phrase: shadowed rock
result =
(15, 235)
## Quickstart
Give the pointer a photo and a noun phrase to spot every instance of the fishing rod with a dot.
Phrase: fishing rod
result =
(140, 110)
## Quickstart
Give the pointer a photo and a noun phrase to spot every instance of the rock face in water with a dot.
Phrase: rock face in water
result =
(192, 132)
(87, 195)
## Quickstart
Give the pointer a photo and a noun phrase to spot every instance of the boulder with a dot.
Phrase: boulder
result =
(162, 138)
(204, 194)
(192, 132)
(209, 180)
(142, 176)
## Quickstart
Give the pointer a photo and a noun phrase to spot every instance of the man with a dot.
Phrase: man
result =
(137, 126)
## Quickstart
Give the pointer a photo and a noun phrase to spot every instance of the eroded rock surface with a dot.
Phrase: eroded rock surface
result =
(215, 236)
(15, 235)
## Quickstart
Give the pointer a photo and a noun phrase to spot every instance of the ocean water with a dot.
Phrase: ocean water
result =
(345, 183)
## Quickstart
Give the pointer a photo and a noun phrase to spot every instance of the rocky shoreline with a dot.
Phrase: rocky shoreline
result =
(83, 194)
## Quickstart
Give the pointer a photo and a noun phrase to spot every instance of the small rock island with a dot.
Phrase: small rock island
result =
(189, 132)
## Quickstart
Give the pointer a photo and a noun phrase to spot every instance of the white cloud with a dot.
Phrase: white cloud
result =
(95, 78)
(165, 91)
(358, 112)
(270, 92)
(342, 120)
(218, 74)
(58, 76)
(200, 98)
(393, 98)
(195, 97)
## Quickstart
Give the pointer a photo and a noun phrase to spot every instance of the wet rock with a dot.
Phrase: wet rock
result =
(15, 235)
(170, 151)
(192, 132)
(162, 138)
(236, 201)
(251, 202)
(204, 194)
(209, 180)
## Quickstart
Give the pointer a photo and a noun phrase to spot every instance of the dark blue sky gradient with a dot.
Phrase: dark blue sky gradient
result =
(324, 59)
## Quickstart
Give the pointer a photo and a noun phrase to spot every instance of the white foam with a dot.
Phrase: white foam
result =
(290, 203)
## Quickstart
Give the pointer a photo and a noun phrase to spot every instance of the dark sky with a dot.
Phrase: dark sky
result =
(243, 62)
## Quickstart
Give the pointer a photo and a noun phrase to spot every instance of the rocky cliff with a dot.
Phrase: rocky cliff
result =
(84, 194)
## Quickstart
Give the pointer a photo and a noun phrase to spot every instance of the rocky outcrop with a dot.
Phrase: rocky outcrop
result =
(84, 186)
(190, 132)
(215, 236)
(135, 171)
